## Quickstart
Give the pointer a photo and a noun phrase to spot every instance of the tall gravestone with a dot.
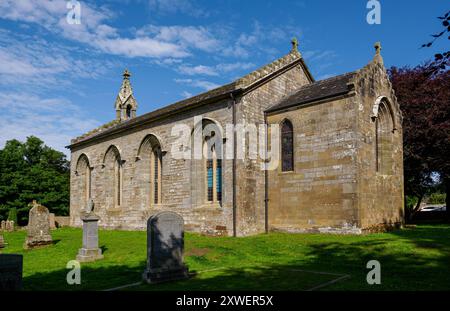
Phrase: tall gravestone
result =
(38, 229)
(51, 219)
(10, 272)
(165, 247)
(3, 225)
(90, 250)
(2, 241)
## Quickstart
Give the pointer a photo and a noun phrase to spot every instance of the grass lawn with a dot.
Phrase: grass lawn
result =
(411, 259)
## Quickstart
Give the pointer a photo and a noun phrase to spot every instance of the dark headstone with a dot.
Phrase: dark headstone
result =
(10, 272)
(90, 250)
(38, 229)
(165, 247)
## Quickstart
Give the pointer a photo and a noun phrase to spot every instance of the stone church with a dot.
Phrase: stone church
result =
(339, 166)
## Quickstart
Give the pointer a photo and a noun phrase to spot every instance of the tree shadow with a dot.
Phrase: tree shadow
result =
(411, 259)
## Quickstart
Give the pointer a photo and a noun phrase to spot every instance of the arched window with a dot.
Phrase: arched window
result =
(150, 155)
(84, 173)
(113, 177)
(210, 166)
(384, 128)
(213, 169)
(156, 175)
(117, 182)
(287, 146)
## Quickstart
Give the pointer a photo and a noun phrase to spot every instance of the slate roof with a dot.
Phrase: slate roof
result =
(293, 57)
(318, 90)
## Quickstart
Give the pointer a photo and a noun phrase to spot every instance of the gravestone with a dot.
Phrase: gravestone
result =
(90, 250)
(10, 272)
(3, 225)
(2, 241)
(9, 225)
(51, 219)
(38, 229)
(165, 247)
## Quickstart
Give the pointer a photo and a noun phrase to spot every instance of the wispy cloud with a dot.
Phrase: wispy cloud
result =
(213, 70)
(151, 41)
(35, 62)
(202, 84)
(55, 120)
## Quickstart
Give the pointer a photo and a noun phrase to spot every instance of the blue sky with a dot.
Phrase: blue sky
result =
(59, 80)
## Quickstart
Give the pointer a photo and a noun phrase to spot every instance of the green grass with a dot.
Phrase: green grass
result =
(411, 259)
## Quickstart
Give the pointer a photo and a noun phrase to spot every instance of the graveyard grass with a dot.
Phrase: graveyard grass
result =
(411, 259)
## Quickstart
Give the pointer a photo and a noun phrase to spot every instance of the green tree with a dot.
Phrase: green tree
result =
(32, 171)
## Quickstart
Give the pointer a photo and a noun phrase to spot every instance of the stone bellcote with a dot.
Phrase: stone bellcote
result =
(125, 104)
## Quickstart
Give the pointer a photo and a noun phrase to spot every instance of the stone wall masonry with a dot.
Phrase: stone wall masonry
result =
(177, 194)
(320, 194)
(380, 195)
(250, 192)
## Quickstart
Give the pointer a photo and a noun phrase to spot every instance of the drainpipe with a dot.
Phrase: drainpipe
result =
(234, 164)
(266, 180)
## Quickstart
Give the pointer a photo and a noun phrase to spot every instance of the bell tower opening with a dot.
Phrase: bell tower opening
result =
(125, 104)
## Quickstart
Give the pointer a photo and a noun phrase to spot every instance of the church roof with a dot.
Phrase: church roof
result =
(291, 59)
(323, 89)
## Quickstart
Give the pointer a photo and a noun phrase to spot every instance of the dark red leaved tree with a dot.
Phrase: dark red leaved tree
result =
(424, 97)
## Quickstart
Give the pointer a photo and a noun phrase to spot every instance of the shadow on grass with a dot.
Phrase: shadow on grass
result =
(412, 259)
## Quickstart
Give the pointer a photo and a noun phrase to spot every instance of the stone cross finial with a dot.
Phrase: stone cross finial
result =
(294, 43)
(377, 48)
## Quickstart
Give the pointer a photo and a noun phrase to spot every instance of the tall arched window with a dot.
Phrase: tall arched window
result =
(150, 162)
(113, 177)
(212, 161)
(83, 171)
(117, 182)
(213, 169)
(384, 128)
(287, 146)
(156, 175)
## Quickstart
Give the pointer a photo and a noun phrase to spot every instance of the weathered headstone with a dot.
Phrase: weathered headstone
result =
(9, 225)
(38, 229)
(165, 247)
(2, 241)
(90, 250)
(3, 225)
(10, 272)
(51, 219)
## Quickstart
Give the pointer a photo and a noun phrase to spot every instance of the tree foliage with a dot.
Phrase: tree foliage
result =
(32, 171)
(441, 60)
(424, 98)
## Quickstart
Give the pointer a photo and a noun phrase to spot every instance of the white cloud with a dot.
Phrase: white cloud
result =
(35, 62)
(202, 84)
(54, 120)
(150, 41)
(186, 36)
(186, 94)
(198, 70)
(213, 70)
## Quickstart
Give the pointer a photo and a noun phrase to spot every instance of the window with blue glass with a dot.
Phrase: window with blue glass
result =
(219, 179)
(210, 179)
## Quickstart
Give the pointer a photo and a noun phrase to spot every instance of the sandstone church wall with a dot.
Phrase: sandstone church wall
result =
(177, 193)
(250, 178)
(320, 194)
(380, 194)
